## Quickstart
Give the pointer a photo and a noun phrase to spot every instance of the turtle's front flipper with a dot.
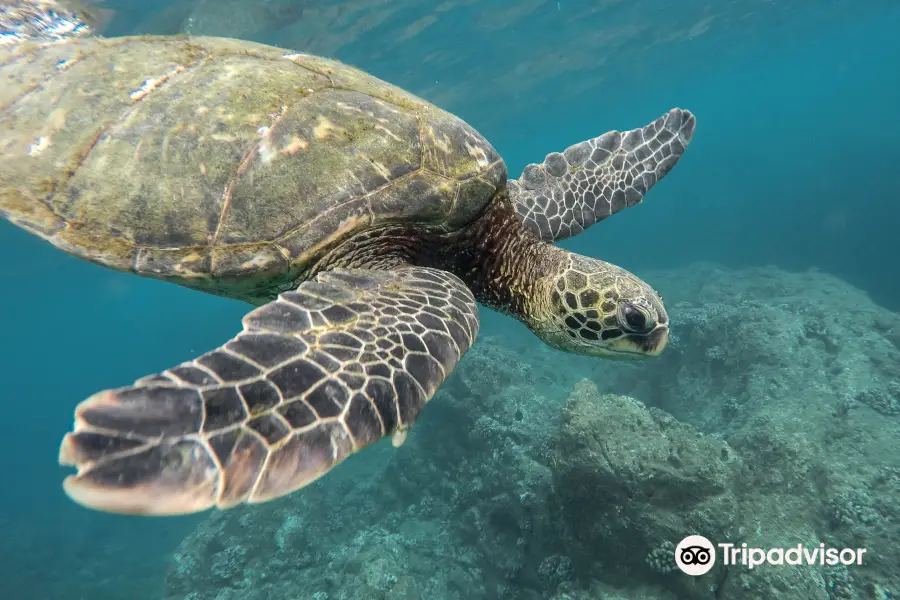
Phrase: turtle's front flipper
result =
(314, 376)
(591, 180)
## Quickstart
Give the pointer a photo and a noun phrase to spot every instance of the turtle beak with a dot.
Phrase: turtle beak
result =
(647, 345)
(656, 341)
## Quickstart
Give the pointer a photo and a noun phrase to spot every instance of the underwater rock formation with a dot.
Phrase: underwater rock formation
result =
(799, 373)
(769, 421)
(635, 481)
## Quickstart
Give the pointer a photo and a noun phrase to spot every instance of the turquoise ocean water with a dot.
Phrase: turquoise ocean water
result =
(794, 164)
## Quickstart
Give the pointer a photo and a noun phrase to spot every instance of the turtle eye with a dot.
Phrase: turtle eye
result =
(635, 320)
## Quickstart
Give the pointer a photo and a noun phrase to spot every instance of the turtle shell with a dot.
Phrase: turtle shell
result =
(221, 164)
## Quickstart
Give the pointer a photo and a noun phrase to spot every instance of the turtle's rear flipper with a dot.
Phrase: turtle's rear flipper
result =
(314, 376)
(596, 178)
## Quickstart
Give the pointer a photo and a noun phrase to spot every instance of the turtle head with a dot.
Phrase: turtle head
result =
(595, 308)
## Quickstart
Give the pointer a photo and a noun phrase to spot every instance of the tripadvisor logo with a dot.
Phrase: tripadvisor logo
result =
(696, 555)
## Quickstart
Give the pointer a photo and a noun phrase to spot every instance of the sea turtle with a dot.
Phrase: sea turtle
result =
(363, 222)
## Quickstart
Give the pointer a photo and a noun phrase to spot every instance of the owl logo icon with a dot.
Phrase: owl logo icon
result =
(695, 555)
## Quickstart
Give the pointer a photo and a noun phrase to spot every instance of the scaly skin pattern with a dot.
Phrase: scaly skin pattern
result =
(314, 376)
(572, 302)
